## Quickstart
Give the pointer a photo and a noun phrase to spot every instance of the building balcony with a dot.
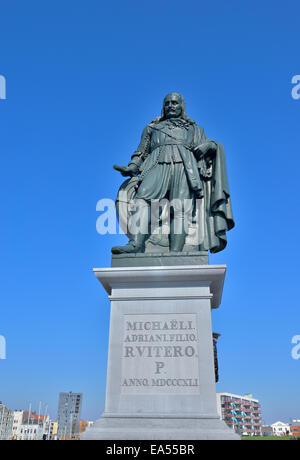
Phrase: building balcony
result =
(224, 400)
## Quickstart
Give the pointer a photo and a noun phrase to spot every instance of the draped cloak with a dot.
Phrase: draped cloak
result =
(164, 144)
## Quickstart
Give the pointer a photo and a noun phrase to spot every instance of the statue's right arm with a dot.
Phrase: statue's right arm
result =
(139, 156)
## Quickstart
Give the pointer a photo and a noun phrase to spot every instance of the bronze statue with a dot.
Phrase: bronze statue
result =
(176, 161)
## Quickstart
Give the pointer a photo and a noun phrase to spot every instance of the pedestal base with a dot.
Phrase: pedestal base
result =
(161, 376)
(163, 428)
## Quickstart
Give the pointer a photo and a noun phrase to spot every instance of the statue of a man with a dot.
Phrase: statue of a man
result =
(175, 160)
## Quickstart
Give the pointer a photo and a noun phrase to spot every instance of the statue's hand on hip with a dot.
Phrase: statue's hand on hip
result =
(207, 150)
(131, 170)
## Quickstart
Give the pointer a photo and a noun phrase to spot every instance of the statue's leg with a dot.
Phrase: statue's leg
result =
(177, 231)
(138, 228)
(181, 200)
(152, 187)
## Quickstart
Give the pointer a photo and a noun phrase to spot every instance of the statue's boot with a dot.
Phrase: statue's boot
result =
(177, 242)
(134, 245)
(137, 240)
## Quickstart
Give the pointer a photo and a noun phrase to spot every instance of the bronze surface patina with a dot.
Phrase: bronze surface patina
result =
(174, 161)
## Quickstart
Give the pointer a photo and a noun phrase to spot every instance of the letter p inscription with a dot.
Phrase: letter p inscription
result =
(159, 366)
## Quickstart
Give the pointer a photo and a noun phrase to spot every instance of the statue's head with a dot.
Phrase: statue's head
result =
(173, 106)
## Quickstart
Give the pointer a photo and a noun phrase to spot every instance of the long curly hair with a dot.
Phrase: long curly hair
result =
(183, 112)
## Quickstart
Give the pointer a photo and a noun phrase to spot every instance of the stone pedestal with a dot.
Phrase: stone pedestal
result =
(160, 376)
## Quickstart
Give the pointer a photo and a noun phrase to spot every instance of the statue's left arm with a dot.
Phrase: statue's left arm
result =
(204, 150)
(212, 167)
(202, 144)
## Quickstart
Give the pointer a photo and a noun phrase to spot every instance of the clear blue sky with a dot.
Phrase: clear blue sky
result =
(83, 79)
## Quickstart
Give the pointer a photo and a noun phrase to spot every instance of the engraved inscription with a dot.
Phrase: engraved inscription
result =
(160, 354)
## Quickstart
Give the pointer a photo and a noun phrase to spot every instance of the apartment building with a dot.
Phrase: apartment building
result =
(241, 413)
(68, 416)
(6, 423)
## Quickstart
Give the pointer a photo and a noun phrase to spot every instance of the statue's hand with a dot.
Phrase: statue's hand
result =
(131, 170)
(206, 150)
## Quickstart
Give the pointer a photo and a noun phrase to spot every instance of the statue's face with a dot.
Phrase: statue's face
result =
(172, 106)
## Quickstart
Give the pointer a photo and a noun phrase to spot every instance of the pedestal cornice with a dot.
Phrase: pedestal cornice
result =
(156, 277)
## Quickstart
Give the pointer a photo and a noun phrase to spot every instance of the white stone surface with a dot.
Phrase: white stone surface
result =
(160, 376)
